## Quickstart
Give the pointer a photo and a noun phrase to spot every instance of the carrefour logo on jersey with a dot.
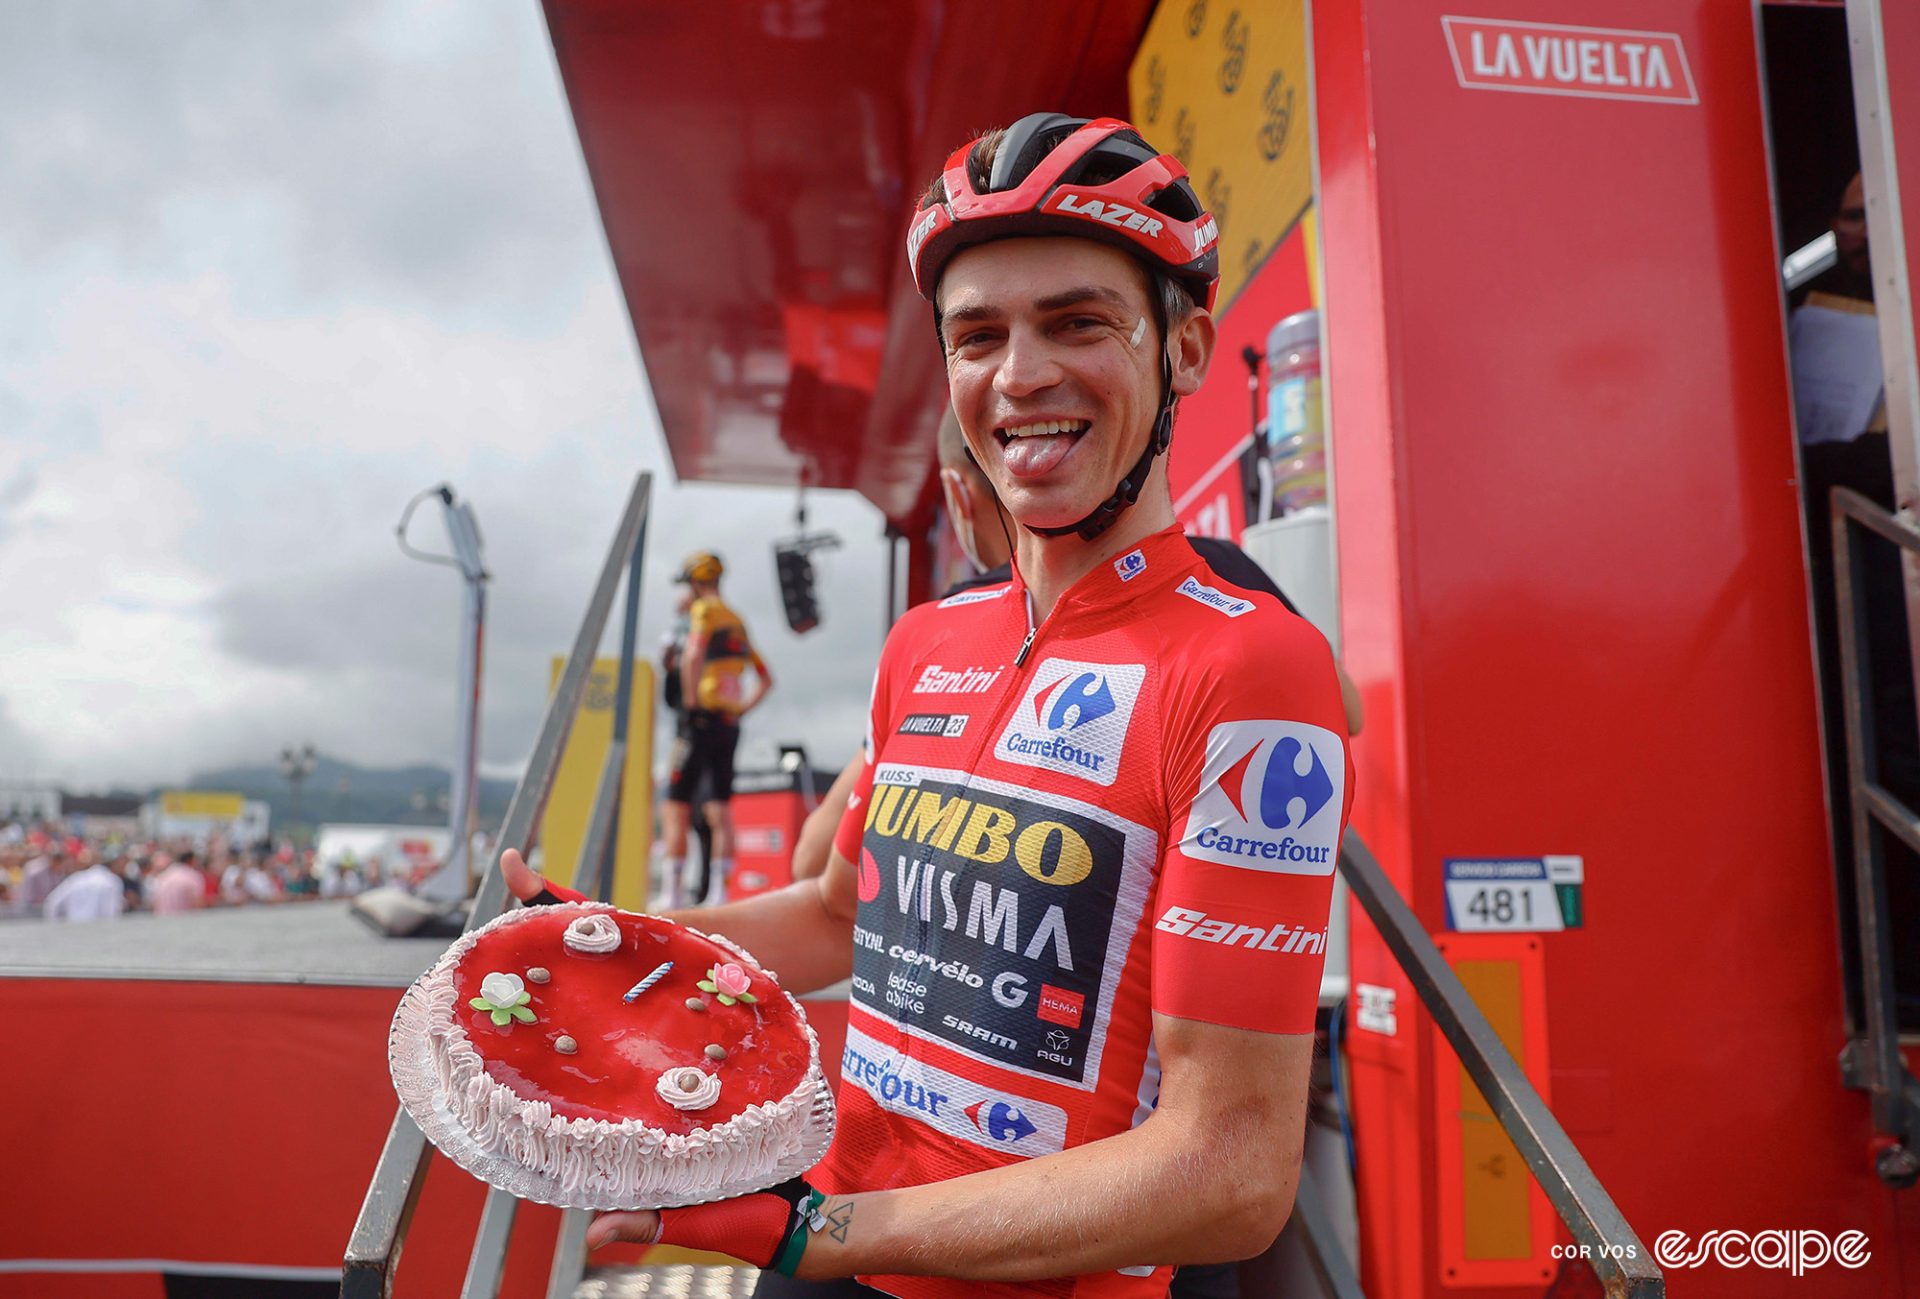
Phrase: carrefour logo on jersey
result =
(1073, 719)
(959, 1107)
(1270, 798)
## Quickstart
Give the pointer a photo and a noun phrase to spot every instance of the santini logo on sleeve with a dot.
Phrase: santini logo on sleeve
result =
(1270, 798)
(1073, 719)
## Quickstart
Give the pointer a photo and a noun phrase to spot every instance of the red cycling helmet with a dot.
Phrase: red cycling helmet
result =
(1060, 175)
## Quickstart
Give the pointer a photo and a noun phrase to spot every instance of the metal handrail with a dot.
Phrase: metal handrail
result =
(1872, 1062)
(373, 1251)
(1621, 1262)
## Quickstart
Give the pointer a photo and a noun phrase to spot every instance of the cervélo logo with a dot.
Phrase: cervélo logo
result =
(1270, 798)
(1073, 719)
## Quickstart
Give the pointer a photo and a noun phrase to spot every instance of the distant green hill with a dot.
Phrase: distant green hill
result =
(341, 791)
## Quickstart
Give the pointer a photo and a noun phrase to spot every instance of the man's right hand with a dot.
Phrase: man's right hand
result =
(521, 881)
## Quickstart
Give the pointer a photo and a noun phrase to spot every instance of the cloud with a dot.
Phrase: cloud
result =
(271, 271)
(419, 152)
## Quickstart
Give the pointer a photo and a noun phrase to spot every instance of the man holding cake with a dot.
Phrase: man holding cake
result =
(1081, 890)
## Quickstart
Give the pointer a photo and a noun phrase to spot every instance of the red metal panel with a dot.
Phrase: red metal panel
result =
(1573, 595)
(1215, 421)
(766, 825)
(755, 168)
(1392, 1133)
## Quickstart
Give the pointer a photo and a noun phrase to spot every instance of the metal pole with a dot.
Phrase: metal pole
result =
(381, 1229)
(623, 711)
(464, 531)
(466, 774)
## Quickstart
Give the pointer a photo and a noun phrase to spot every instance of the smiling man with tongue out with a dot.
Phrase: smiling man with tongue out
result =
(1064, 362)
(1079, 1032)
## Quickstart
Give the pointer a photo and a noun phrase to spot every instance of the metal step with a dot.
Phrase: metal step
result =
(668, 1281)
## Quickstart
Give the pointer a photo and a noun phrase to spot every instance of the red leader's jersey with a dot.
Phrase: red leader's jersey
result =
(1140, 816)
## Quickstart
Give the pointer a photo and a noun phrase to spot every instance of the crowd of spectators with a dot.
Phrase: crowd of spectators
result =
(45, 871)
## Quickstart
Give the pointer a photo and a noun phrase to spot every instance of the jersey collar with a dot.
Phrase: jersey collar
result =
(1155, 561)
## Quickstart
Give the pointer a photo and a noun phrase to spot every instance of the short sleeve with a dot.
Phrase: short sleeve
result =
(702, 616)
(1259, 785)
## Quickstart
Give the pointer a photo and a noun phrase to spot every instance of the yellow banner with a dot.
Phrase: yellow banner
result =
(203, 803)
(1223, 87)
(564, 828)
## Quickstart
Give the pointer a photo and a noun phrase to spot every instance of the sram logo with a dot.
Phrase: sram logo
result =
(1276, 938)
(1108, 212)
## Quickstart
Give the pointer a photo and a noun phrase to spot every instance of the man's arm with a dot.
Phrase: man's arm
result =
(762, 682)
(1209, 1177)
(692, 662)
(803, 932)
(816, 833)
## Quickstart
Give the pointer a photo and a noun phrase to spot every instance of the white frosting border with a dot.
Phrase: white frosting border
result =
(521, 1146)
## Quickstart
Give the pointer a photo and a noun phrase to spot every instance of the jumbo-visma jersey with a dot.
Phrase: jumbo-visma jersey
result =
(1141, 816)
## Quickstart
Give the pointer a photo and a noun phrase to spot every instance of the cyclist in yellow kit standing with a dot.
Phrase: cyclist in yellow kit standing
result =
(712, 671)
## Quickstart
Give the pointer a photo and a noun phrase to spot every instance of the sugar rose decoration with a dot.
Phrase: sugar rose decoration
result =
(728, 983)
(505, 997)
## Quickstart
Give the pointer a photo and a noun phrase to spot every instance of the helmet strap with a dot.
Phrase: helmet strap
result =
(1128, 491)
(1104, 514)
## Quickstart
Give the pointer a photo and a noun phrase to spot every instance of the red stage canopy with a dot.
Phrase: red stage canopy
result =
(756, 167)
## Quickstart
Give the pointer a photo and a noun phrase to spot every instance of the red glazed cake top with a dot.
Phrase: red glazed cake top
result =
(621, 1048)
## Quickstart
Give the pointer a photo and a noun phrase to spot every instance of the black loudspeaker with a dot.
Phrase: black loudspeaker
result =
(795, 567)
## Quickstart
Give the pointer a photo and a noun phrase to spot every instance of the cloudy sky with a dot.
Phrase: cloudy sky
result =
(270, 269)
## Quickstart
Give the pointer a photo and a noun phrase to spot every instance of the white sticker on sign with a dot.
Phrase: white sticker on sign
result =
(1376, 1009)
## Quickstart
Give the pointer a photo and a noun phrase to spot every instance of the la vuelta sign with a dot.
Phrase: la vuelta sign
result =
(1552, 59)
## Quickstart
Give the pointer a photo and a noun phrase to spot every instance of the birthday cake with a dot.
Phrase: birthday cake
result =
(594, 1058)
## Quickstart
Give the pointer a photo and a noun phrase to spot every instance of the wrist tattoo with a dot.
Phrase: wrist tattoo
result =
(840, 1221)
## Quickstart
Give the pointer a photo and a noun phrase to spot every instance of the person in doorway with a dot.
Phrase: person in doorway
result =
(1841, 416)
(1171, 755)
(716, 659)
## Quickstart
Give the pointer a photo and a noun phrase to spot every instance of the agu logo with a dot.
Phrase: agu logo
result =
(1270, 798)
(1001, 1121)
(1073, 719)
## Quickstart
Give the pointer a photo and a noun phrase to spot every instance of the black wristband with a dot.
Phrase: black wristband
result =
(544, 898)
(801, 1200)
